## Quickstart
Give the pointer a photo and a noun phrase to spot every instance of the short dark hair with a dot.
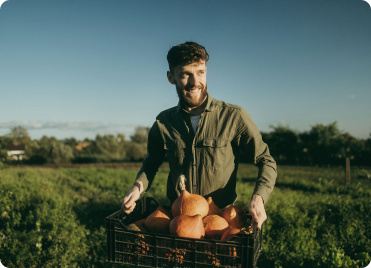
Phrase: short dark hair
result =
(186, 53)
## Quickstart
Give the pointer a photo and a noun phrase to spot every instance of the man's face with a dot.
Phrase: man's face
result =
(190, 82)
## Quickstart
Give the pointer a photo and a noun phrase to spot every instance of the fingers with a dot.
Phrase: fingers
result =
(257, 211)
(128, 208)
(258, 217)
(261, 219)
(254, 215)
(128, 203)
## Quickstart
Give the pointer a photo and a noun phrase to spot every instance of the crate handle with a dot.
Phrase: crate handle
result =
(147, 200)
(144, 201)
(254, 227)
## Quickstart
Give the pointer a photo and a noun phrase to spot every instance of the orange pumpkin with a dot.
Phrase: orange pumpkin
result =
(187, 226)
(140, 224)
(133, 227)
(187, 203)
(213, 208)
(140, 247)
(175, 256)
(230, 233)
(215, 226)
(190, 204)
(235, 216)
(158, 221)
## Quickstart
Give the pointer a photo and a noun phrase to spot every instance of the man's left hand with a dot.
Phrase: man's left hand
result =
(257, 210)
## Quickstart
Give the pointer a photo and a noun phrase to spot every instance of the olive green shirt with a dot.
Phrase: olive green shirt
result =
(208, 158)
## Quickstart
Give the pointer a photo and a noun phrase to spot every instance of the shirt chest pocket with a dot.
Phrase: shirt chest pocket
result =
(175, 152)
(213, 152)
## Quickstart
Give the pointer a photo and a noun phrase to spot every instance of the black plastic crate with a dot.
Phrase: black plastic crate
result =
(145, 249)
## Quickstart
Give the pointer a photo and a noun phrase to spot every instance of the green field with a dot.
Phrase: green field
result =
(55, 217)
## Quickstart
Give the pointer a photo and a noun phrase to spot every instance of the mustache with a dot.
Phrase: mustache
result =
(190, 87)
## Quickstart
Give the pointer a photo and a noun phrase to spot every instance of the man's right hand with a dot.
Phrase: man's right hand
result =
(128, 203)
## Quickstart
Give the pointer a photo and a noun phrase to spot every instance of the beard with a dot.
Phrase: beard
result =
(189, 101)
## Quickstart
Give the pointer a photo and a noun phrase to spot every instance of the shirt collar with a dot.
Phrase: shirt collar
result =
(208, 107)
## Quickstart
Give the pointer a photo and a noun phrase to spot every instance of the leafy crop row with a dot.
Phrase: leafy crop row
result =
(55, 217)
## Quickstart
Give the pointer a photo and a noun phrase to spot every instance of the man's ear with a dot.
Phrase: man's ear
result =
(170, 77)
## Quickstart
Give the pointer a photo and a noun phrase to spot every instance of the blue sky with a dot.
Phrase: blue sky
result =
(82, 68)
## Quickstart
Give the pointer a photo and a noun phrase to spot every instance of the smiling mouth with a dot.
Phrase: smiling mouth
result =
(193, 90)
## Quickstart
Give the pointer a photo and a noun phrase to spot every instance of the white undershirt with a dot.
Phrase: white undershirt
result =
(194, 120)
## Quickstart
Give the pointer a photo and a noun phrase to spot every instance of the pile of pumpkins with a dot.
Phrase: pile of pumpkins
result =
(193, 216)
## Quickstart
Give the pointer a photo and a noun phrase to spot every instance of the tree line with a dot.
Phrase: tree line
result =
(322, 145)
(50, 150)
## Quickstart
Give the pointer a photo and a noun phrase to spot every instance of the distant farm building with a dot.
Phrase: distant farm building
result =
(16, 151)
(82, 145)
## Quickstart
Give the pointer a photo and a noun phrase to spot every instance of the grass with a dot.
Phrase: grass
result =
(55, 217)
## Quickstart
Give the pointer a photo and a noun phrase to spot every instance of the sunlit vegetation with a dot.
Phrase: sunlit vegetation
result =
(322, 145)
(56, 217)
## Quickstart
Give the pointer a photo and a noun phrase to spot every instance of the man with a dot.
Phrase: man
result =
(202, 138)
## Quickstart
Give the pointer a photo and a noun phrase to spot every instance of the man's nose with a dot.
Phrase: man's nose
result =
(194, 80)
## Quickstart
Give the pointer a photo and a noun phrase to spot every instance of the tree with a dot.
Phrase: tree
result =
(140, 135)
(324, 143)
(136, 151)
(72, 142)
(49, 150)
(60, 153)
(284, 144)
(19, 135)
(121, 138)
(4, 141)
(3, 155)
(111, 147)
(366, 153)
(359, 150)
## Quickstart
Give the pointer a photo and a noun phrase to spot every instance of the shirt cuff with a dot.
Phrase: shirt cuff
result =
(263, 192)
(143, 179)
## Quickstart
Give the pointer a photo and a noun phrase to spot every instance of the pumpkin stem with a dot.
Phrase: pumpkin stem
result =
(182, 180)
